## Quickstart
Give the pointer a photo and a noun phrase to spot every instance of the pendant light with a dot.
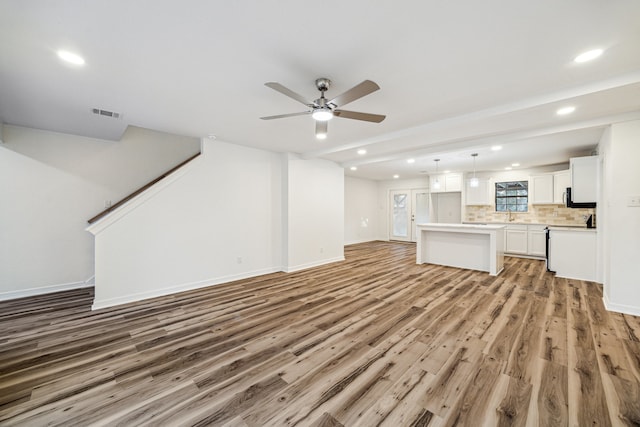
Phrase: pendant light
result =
(436, 183)
(474, 182)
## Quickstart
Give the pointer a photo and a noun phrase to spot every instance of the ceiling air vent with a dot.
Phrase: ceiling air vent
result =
(106, 113)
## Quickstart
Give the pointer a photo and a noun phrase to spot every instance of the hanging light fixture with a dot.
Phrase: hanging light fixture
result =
(436, 183)
(474, 182)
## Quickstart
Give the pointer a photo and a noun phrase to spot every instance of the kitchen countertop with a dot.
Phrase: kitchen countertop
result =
(468, 225)
(570, 228)
(528, 223)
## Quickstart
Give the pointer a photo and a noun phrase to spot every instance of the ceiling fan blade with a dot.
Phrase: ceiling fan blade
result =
(282, 116)
(367, 117)
(321, 129)
(356, 92)
(288, 92)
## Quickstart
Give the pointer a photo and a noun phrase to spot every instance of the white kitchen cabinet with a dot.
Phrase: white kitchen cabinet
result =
(449, 182)
(516, 239)
(536, 240)
(453, 181)
(561, 180)
(525, 239)
(572, 253)
(584, 179)
(541, 189)
(480, 195)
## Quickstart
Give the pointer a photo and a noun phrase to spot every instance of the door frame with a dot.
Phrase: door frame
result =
(411, 212)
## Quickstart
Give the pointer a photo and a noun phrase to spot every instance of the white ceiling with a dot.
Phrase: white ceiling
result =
(455, 77)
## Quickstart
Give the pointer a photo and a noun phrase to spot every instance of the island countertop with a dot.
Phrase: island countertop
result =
(482, 226)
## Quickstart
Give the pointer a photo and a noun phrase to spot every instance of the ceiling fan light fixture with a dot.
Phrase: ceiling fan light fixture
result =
(321, 136)
(322, 114)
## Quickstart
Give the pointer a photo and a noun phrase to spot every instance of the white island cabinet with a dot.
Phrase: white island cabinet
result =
(472, 246)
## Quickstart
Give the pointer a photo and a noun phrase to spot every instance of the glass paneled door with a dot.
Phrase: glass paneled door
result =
(407, 208)
(400, 207)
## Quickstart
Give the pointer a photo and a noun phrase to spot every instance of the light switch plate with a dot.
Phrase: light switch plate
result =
(634, 201)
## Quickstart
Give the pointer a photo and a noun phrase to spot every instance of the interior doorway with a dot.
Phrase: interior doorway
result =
(407, 208)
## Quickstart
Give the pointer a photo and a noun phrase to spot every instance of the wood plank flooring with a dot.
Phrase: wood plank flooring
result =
(375, 340)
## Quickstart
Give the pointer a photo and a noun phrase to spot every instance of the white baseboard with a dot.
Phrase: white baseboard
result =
(178, 288)
(311, 264)
(23, 293)
(620, 308)
(355, 242)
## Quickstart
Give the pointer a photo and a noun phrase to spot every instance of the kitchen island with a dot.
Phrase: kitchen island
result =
(472, 246)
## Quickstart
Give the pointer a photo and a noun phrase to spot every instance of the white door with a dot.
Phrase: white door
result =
(400, 209)
(407, 208)
(419, 210)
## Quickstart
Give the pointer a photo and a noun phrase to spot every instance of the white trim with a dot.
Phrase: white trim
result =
(4, 296)
(180, 288)
(311, 264)
(113, 217)
(620, 308)
(355, 242)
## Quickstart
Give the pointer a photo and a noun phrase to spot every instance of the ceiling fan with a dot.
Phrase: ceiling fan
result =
(323, 110)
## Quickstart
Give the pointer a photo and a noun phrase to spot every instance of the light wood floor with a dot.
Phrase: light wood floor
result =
(374, 340)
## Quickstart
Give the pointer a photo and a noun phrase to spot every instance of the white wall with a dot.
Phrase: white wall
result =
(620, 223)
(360, 210)
(447, 207)
(384, 187)
(217, 222)
(234, 212)
(52, 183)
(315, 213)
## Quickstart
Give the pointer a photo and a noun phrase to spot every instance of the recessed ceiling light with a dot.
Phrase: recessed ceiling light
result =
(70, 57)
(411, 160)
(515, 165)
(565, 110)
(396, 176)
(588, 55)
(362, 151)
(353, 168)
(496, 148)
(447, 171)
(508, 168)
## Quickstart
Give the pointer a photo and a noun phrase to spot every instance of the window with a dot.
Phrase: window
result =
(512, 196)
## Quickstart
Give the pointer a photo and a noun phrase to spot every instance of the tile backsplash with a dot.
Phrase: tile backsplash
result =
(538, 214)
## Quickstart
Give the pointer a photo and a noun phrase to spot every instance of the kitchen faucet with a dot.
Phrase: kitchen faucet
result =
(509, 216)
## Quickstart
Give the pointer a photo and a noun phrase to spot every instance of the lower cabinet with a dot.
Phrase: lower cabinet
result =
(572, 253)
(537, 240)
(522, 239)
(516, 239)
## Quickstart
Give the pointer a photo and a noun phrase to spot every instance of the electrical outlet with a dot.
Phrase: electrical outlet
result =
(239, 260)
(634, 201)
(321, 250)
(107, 203)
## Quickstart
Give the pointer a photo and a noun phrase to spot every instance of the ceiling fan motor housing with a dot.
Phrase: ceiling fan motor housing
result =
(323, 83)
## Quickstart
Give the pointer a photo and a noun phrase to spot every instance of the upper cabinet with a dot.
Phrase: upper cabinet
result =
(541, 191)
(480, 195)
(561, 180)
(584, 179)
(447, 182)
(549, 188)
